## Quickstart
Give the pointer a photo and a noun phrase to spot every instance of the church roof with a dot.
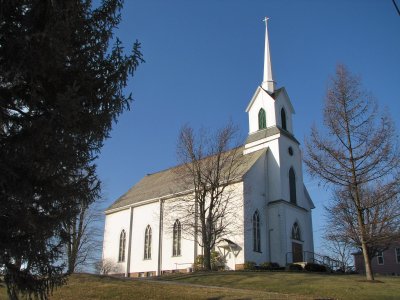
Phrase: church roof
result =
(167, 184)
(274, 96)
(263, 133)
(267, 132)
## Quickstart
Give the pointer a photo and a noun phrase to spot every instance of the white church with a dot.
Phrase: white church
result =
(142, 242)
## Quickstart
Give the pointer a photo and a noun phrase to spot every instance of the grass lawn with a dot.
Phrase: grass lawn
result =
(308, 284)
(84, 286)
(231, 285)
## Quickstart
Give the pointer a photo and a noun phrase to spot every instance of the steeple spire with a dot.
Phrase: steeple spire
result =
(268, 83)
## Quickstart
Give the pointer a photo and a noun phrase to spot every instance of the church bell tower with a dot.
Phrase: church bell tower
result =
(270, 127)
(285, 200)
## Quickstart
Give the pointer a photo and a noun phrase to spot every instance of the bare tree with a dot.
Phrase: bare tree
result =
(396, 7)
(381, 207)
(339, 249)
(360, 157)
(84, 237)
(106, 266)
(337, 233)
(208, 172)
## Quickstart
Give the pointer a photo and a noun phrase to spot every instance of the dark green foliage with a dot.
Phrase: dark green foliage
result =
(294, 267)
(249, 265)
(269, 266)
(60, 91)
(311, 267)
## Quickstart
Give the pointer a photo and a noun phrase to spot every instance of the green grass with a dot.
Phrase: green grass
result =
(230, 285)
(83, 286)
(307, 284)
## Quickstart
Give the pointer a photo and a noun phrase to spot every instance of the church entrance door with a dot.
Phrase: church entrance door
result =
(297, 250)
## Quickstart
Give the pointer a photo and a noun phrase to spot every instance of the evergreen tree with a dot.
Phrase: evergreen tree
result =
(61, 87)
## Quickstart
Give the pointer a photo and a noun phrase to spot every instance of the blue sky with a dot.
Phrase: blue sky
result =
(204, 60)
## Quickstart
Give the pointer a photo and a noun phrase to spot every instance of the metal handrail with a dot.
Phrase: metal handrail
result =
(312, 257)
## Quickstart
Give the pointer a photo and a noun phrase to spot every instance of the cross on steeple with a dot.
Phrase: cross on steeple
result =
(268, 82)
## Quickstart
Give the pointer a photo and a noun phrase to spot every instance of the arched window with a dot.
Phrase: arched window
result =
(296, 234)
(262, 121)
(292, 186)
(256, 232)
(147, 243)
(176, 241)
(283, 118)
(122, 241)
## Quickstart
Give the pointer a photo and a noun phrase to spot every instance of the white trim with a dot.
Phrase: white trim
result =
(253, 98)
(378, 256)
(128, 263)
(397, 255)
(283, 89)
(262, 141)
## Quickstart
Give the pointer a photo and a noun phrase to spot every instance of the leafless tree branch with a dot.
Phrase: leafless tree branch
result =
(361, 160)
(209, 167)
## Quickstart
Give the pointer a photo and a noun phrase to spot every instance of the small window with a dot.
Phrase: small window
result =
(292, 186)
(147, 243)
(397, 252)
(296, 234)
(290, 150)
(283, 118)
(176, 240)
(256, 232)
(122, 241)
(262, 121)
(380, 257)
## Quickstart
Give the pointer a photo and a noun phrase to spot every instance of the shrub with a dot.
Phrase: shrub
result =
(217, 262)
(269, 266)
(295, 267)
(249, 265)
(199, 263)
(107, 266)
(312, 267)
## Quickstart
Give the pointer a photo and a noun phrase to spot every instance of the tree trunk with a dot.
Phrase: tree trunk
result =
(12, 290)
(357, 200)
(367, 262)
(206, 246)
(71, 264)
(207, 258)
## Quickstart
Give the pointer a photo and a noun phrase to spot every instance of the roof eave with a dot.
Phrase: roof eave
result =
(110, 210)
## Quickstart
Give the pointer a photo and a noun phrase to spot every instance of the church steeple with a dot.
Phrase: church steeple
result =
(268, 83)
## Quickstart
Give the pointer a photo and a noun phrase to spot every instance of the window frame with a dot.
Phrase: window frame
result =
(283, 119)
(177, 238)
(397, 254)
(262, 119)
(256, 232)
(292, 186)
(379, 257)
(147, 243)
(122, 246)
(296, 232)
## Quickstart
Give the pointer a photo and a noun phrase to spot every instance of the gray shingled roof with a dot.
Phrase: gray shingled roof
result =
(261, 134)
(166, 183)
(270, 131)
